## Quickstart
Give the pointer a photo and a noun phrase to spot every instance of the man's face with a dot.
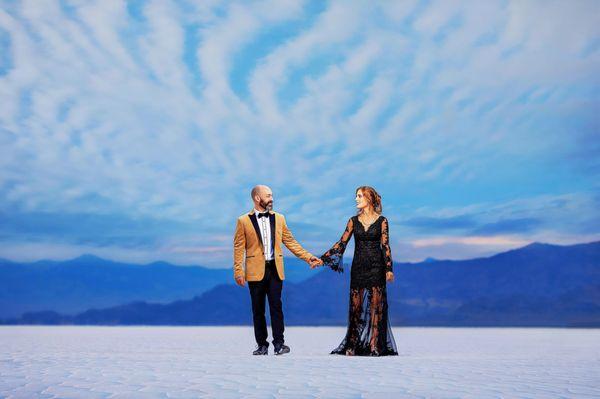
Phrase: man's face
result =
(266, 198)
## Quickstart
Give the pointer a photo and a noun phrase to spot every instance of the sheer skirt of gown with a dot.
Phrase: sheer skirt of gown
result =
(369, 331)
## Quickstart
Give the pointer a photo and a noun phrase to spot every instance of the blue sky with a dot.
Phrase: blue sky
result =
(135, 130)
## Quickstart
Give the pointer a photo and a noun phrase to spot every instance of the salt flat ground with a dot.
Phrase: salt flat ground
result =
(192, 362)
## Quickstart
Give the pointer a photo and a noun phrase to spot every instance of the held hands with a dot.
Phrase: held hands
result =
(315, 262)
(389, 276)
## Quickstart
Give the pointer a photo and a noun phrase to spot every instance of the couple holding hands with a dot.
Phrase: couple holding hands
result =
(259, 235)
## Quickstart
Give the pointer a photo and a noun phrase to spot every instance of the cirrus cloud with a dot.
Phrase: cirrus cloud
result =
(161, 115)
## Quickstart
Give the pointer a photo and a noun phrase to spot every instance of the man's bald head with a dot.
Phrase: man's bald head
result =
(262, 197)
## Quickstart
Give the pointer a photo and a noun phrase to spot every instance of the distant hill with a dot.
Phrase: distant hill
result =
(537, 285)
(91, 282)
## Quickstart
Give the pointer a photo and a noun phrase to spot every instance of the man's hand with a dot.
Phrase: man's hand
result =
(315, 262)
(240, 280)
(389, 276)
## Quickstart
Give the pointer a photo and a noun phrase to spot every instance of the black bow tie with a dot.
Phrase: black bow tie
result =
(263, 215)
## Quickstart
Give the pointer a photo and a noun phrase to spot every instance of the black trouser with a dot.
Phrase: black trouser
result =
(270, 286)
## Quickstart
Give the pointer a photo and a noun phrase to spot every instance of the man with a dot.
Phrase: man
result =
(259, 234)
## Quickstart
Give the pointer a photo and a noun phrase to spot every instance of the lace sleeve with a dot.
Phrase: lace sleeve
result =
(333, 258)
(385, 245)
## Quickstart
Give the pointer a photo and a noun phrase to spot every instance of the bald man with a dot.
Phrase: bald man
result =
(259, 234)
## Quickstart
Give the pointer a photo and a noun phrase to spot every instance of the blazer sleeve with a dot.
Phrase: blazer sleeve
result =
(290, 242)
(239, 247)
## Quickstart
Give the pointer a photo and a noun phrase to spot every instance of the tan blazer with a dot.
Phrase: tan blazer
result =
(247, 239)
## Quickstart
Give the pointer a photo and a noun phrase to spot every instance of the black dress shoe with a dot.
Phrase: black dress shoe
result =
(261, 350)
(282, 349)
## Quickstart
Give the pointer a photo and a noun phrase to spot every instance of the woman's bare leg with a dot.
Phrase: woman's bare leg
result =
(356, 296)
(376, 310)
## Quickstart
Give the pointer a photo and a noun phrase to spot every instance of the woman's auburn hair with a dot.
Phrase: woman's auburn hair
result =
(372, 196)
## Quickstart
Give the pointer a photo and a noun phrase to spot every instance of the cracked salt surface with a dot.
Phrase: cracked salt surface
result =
(193, 362)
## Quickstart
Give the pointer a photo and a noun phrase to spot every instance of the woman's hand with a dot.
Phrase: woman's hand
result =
(389, 276)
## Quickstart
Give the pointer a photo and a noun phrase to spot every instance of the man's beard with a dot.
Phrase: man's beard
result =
(266, 205)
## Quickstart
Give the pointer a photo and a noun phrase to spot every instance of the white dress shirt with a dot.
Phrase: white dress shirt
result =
(265, 232)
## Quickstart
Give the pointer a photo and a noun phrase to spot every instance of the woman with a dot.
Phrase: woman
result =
(369, 332)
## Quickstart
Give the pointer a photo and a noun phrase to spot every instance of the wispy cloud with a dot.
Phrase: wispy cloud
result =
(150, 121)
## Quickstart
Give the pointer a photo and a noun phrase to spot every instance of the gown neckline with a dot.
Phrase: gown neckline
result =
(363, 226)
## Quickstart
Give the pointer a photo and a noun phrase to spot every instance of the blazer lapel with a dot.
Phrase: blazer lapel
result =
(272, 221)
(252, 217)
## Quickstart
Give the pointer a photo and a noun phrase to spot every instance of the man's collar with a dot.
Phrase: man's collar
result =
(255, 211)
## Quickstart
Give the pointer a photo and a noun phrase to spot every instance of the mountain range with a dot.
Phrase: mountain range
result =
(536, 285)
(88, 281)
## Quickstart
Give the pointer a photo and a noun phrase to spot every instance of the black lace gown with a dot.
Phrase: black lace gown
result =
(369, 331)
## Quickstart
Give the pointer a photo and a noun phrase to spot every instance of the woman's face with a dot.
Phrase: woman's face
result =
(361, 200)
